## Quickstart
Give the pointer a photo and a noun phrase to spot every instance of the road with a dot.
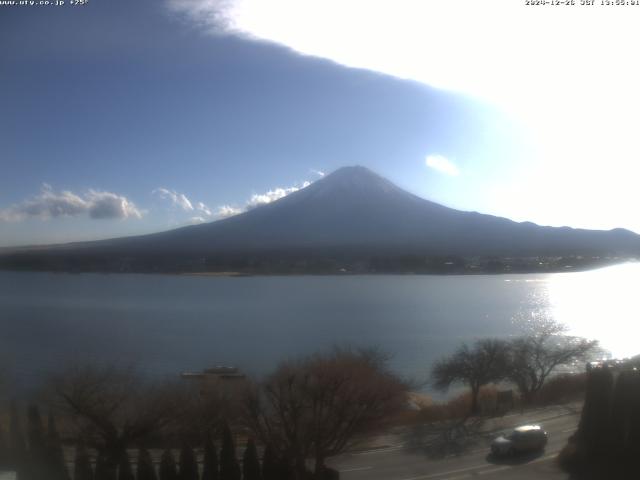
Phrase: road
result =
(399, 461)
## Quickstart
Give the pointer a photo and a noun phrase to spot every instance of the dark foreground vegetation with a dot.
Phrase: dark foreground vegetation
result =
(117, 426)
(108, 423)
(607, 442)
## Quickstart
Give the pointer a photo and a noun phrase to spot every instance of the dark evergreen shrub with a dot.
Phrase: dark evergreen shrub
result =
(633, 444)
(56, 464)
(17, 448)
(250, 462)
(104, 470)
(146, 470)
(594, 423)
(270, 465)
(4, 449)
(210, 468)
(125, 472)
(188, 464)
(82, 465)
(328, 474)
(621, 406)
(168, 469)
(229, 467)
(36, 466)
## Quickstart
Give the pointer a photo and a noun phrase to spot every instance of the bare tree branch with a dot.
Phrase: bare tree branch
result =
(315, 407)
(475, 366)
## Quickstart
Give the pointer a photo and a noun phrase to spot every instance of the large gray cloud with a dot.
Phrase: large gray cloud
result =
(51, 204)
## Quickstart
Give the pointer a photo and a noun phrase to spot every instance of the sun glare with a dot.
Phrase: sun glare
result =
(564, 74)
(599, 304)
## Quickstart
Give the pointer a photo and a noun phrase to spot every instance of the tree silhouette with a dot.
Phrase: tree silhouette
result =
(270, 465)
(125, 472)
(229, 468)
(168, 469)
(105, 470)
(55, 455)
(188, 464)
(483, 363)
(37, 447)
(17, 446)
(82, 465)
(4, 449)
(250, 462)
(146, 470)
(210, 468)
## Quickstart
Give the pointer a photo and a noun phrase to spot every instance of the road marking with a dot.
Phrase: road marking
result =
(354, 469)
(542, 459)
(478, 470)
(522, 413)
(378, 450)
(495, 470)
(568, 430)
(444, 474)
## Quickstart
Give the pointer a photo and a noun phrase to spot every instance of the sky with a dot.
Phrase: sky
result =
(121, 118)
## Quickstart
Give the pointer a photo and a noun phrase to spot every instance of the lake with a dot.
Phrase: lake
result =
(167, 324)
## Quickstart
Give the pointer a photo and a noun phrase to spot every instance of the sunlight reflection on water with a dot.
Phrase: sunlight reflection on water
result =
(599, 304)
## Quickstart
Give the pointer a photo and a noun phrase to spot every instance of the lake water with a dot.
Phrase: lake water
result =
(168, 324)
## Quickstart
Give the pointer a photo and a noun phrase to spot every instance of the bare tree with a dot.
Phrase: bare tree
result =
(205, 406)
(113, 408)
(475, 366)
(533, 357)
(315, 407)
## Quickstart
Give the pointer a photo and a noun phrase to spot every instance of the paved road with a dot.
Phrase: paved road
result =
(401, 462)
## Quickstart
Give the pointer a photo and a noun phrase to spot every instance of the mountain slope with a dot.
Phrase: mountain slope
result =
(355, 211)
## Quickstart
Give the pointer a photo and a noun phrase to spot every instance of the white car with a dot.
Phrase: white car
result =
(527, 438)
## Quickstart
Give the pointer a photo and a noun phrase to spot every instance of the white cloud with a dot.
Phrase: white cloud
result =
(320, 173)
(259, 199)
(109, 205)
(202, 213)
(178, 200)
(228, 211)
(51, 204)
(201, 207)
(442, 164)
(273, 195)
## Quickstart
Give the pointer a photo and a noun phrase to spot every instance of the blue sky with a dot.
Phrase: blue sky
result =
(121, 117)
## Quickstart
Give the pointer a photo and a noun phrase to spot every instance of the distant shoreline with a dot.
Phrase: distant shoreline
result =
(215, 274)
(460, 271)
